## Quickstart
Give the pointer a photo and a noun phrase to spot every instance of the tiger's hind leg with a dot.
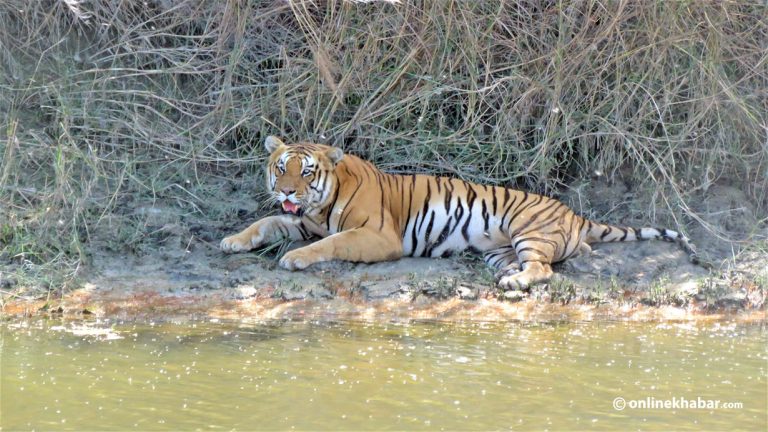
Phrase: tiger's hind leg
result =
(503, 259)
(535, 258)
(533, 272)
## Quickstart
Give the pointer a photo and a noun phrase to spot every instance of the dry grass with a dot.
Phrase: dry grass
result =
(106, 105)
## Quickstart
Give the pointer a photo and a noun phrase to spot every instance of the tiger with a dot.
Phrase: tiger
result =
(362, 214)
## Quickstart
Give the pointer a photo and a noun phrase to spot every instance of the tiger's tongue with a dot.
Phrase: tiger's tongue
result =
(290, 207)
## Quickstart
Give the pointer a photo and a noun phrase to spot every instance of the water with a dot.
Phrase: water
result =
(358, 376)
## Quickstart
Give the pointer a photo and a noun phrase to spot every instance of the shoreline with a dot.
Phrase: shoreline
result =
(150, 305)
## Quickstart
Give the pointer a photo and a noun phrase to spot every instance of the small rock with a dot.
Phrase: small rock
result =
(514, 295)
(466, 293)
(245, 292)
(291, 295)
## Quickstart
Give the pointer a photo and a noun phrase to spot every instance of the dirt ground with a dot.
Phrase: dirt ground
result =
(179, 273)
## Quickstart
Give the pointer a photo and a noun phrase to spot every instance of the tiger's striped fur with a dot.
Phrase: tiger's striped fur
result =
(365, 215)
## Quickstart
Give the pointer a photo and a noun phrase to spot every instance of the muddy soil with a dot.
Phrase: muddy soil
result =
(179, 273)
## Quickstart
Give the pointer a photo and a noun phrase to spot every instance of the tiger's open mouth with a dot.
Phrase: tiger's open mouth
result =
(291, 208)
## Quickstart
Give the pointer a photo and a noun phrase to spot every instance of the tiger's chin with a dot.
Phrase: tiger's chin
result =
(289, 207)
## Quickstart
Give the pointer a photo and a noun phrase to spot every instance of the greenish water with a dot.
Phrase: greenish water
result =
(359, 376)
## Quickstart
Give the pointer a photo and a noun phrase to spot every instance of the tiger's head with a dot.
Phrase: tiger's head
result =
(301, 176)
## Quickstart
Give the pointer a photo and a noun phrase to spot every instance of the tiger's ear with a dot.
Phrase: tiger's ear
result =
(335, 154)
(273, 143)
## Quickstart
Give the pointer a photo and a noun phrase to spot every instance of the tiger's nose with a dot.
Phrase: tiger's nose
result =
(288, 191)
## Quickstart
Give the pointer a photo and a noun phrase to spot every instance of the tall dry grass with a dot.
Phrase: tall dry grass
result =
(109, 103)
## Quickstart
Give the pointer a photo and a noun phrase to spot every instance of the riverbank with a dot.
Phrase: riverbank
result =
(173, 269)
(178, 272)
(208, 285)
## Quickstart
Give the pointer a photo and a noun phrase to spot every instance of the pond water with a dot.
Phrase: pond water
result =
(366, 376)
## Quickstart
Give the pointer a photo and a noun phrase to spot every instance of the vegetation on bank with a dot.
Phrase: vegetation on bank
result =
(109, 108)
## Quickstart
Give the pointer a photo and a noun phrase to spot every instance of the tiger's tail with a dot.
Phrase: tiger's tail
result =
(602, 233)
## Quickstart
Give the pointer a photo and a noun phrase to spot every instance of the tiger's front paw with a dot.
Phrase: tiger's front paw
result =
(237, 243)
(297, 259)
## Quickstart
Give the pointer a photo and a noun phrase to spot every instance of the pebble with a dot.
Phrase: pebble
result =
(466, 293)
(514, 295)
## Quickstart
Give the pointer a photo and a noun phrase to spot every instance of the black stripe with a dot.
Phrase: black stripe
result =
(573, 240)
(303, 231)
(490, 256)
(494, 258)
(531, 249)
(521, 208)
(428, 233)
(348, 208)
(606, 233)
(399, 217)
(458, 214)
(624, 237)
(448, 196)
(444, 233)
(471, 195)
(314, 184)
(408, 217)
(667, 234)
(425, 209)
(532, 219)
(381, 208)
(502, 226)
(536, 239)
(414, 237)
(419, 214)
(543, 223)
